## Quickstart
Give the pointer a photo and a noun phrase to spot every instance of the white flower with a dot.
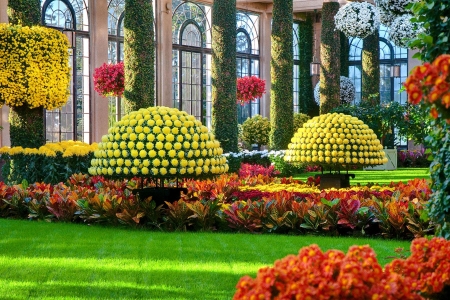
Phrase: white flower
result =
(357, 19)
(397, 6)
(402, 30)
(347, 91)
(386, 15)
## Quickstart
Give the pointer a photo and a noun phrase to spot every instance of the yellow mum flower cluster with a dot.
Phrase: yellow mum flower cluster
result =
(304, 188)
(159, 142)
(34, 67)
(65, 148)
(335, 140)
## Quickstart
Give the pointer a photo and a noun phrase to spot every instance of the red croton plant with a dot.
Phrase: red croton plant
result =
(249, 88)
(109, 79)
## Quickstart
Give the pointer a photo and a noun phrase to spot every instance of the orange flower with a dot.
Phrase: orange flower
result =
(442, 63)
(420, 72)
(434, 113)
(414, 95)
(446, 100)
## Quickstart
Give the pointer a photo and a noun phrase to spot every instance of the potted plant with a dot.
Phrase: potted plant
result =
(357, 19)
(249, 88)
(109, 80)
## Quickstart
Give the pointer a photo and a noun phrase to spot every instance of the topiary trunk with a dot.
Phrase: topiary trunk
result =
(223, 70)
(306, 31)
(330, 81)
(370, 92)
(26, 125)
(282, 63)
(139, 55)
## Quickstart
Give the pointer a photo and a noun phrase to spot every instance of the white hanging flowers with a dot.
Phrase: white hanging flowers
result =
(357, 19)
(402, 30)
(386, 15)
(347, 93)
(398, 6)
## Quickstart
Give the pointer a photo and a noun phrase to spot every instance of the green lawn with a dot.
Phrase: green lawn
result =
(381, 177)
(41, 260)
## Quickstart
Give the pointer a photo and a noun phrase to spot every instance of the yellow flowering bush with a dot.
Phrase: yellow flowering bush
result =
(51, 163)
(158, 142)
(34, 67)
(335, 141)
(255, 130)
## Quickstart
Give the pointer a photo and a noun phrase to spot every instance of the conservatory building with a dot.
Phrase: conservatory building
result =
(182, 30)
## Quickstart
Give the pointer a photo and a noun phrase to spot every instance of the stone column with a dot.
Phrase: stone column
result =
(4, 134)
(163, 16)
(98, 21)
(264, 59)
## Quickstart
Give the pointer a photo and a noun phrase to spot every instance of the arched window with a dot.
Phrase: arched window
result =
(389, 55)
(296, 71)
(247, 56)
(191, 59)
(71, 122)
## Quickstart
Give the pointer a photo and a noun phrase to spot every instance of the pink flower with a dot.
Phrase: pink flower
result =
(109, 79)
(249, 88)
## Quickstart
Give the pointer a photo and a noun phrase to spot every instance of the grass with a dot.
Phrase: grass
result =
(380, 177)
(41, 260)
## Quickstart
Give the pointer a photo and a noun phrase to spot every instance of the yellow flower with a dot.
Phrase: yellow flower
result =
(162, 153)
(140, 145)
(134, 153)
(155, 171)
(152, 153)
(156, 162)
(165, 163)
(145, 171)
(159, 145)
(128, 163)
(163, 171)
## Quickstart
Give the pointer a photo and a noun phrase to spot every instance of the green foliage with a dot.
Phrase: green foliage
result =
(345, 52)
(281, 95)
(299, 120)
(306, 35)
(24, 12)
(330, 80)
(371, 69)
(435, 40)
(41, 168)
(439, 206)
(383, 118)
(255, 130)
(26, 126)
(223, 70)
(139, 55)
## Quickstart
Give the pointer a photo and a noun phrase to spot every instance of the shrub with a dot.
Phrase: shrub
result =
(248, 170)
(51, 163)
(255, 130)
(299, 120)
(413, 158)
(355, 275)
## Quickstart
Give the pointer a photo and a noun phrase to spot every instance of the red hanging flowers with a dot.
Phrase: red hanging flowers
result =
(249, 88)
(109, 79)
(431, 83)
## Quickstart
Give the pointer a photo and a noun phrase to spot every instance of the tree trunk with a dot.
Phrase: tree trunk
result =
(223, 69)
(282, 63)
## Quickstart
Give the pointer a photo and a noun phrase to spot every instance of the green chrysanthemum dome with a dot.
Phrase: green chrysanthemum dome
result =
(335, 141)
(158, 142)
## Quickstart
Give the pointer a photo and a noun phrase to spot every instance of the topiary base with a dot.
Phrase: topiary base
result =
(337, 181)
(160, 194)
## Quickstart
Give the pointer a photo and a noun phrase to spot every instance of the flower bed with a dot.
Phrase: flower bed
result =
(227, 204)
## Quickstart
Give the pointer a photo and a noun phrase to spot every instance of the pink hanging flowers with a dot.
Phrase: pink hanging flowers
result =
(249, 88)
(109, 79)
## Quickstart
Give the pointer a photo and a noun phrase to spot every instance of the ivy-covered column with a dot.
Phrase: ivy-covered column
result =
(26, 124)
(370, 92)
(223, 70)
(281, 94)
(345, 52)
(306, 31)
(139, 55)
(330, 59)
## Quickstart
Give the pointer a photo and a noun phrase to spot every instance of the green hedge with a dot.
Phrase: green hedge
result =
(24, 12)
(282, 64)
(139, 55)
(345, 52)
(330, 81)
(371, 69)
(306, 39)
(223, 70)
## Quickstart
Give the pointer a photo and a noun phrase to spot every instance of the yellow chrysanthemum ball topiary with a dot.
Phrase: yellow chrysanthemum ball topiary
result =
(335, 141)
(158, 142)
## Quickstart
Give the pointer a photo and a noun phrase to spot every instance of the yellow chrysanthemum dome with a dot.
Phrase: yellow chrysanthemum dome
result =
(158, 142)
(335, 141)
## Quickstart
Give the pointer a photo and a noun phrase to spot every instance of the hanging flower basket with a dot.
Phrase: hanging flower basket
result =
(398, 6)
(109, 80)
(386, 15)
(402, 30)
(347, 91)
(357, 19)
(249, 88)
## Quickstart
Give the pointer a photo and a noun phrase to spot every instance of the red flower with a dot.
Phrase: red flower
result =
(249, 88)
(109, 79)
